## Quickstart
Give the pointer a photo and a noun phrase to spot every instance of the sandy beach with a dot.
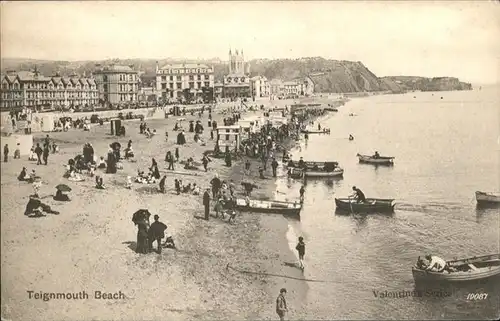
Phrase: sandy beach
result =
(90, 245)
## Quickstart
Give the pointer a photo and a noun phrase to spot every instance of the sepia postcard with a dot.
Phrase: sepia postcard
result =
(250, 160)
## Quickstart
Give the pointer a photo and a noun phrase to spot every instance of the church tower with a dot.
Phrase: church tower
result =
(237, 62)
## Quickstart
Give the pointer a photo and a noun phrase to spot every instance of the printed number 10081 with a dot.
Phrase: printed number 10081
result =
(477, 296)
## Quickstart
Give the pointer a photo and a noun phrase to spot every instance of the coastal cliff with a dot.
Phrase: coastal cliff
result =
(407, 83)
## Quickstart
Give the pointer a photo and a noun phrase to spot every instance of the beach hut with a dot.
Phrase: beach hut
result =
(229, 136)
(116, 125)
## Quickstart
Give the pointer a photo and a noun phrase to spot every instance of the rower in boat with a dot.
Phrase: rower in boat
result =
(358, 195)
(436, 263)
(376, 155)
(301, 164)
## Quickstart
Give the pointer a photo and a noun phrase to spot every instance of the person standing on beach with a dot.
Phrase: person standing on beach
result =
(274, 166)
(206, 203)
(6, 153)
(281, 308)
(302, 191)
(46, 151)
(177, 153)
(155, 233)
(301, 248)
(38, 152)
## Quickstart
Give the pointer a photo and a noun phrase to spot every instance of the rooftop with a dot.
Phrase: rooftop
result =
(181, 66)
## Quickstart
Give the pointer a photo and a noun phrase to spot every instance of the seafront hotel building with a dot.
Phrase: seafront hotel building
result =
(173, 81)
(32, 89)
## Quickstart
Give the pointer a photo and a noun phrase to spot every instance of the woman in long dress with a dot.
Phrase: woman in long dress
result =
(142, 238)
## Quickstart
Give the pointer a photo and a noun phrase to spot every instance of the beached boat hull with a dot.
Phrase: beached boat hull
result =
(487, 198)
(269, 207)
(372, 205)
(381, 160)
(315, 132)
(317, 174)
(482, 267)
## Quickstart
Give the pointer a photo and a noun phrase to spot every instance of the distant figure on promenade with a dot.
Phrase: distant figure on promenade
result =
(351, 137)
(302, 191)
(17, 152)
(281, 308)
(301, 249)
(206, 203)
(46, 152)
(205, 160)
(162, 184)
(306, 136)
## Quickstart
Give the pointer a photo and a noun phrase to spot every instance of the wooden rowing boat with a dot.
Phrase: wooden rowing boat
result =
(381, 160)
(314, 165)
(469, 269)
(324, 131)
(372, 205)
(337, 172)
(272, 207)
(294, 172)
(488, 198)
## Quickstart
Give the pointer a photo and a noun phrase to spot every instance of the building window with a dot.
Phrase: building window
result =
(207, 77)
(191, 78)
(199, 84)
(178, 78)
(163, 78)
(191, 85)
(179, 85)
(199, 77)
(163, 86)
(171, 78)
(171, 86)
(207, 84)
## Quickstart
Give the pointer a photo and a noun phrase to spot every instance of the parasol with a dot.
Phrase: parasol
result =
(63, 188)
(142, 214)
(116, 145)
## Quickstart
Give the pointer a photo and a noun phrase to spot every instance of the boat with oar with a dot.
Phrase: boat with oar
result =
(271, 207)
(377, 160)
(484, 198)
(371, 205)
(468, 269)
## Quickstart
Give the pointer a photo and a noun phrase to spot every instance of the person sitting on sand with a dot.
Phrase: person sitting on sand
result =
(129, 152)
(75, 177)
(102, 163)
(23, 175)
(176, 126)
(218, 208)
(196, 189)
(32, 156)
(86, 127)
(128, 185)
(147, 132)
(186, 188)
(92, 169)
(99, 183)
(261, 173)
(177, 186)
(55, 148)
(60, 196)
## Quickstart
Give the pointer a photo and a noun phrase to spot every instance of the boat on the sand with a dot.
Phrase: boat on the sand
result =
(484, 198)
(311, 164)
(380, 160)
(469, 269)
(323, 131)
(371, 205)
(272, 207)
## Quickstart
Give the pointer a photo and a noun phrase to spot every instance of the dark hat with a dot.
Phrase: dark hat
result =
(156, 217)
(283, 290)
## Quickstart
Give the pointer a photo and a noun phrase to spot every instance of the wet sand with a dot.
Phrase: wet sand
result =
(90, 245)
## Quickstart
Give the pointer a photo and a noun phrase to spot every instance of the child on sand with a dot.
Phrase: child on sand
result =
(301, 248)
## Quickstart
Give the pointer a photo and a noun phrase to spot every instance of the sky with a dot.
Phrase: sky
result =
(415, 38)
